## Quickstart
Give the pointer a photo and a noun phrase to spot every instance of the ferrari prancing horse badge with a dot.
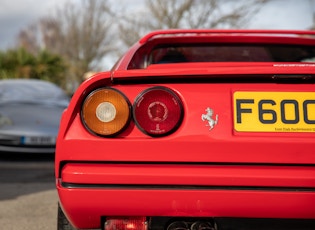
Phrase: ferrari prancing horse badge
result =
(208, 117)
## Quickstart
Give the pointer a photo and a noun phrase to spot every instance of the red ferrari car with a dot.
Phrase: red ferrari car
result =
(194, 129)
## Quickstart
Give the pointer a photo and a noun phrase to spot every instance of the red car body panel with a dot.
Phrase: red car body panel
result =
(195, 171)
(183, 203)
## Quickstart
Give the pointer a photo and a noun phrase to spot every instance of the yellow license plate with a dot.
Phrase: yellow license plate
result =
(274, 111)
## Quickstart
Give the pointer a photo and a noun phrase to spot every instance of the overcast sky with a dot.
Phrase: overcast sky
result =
(277, 14)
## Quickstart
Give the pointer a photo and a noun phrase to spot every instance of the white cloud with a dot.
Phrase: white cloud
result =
(285, 14)
(277, 14)
(17, 14)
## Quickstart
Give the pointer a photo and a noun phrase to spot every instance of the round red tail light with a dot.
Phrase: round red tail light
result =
(106, 112)
(158, 111)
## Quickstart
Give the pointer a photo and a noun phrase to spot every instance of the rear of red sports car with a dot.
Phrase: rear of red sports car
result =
(194, 129)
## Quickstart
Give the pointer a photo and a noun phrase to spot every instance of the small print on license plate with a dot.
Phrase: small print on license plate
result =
(274, 111)
(31, 140)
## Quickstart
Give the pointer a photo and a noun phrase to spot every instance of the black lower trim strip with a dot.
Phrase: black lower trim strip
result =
(183, 187)
(190, 163)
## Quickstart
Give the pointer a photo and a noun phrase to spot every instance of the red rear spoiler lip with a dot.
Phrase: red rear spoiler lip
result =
(215, 69)
(227, 32)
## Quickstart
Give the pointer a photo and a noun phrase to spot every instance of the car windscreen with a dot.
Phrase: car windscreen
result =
(31, 91)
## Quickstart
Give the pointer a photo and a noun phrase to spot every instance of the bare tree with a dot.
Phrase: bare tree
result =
(171, 14)
(84, 32)
(28, 40)
(79, 32)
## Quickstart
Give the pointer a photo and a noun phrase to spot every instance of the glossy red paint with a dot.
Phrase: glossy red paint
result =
(208, 32)
(85, 206)
(188, 175)
(196, 171)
